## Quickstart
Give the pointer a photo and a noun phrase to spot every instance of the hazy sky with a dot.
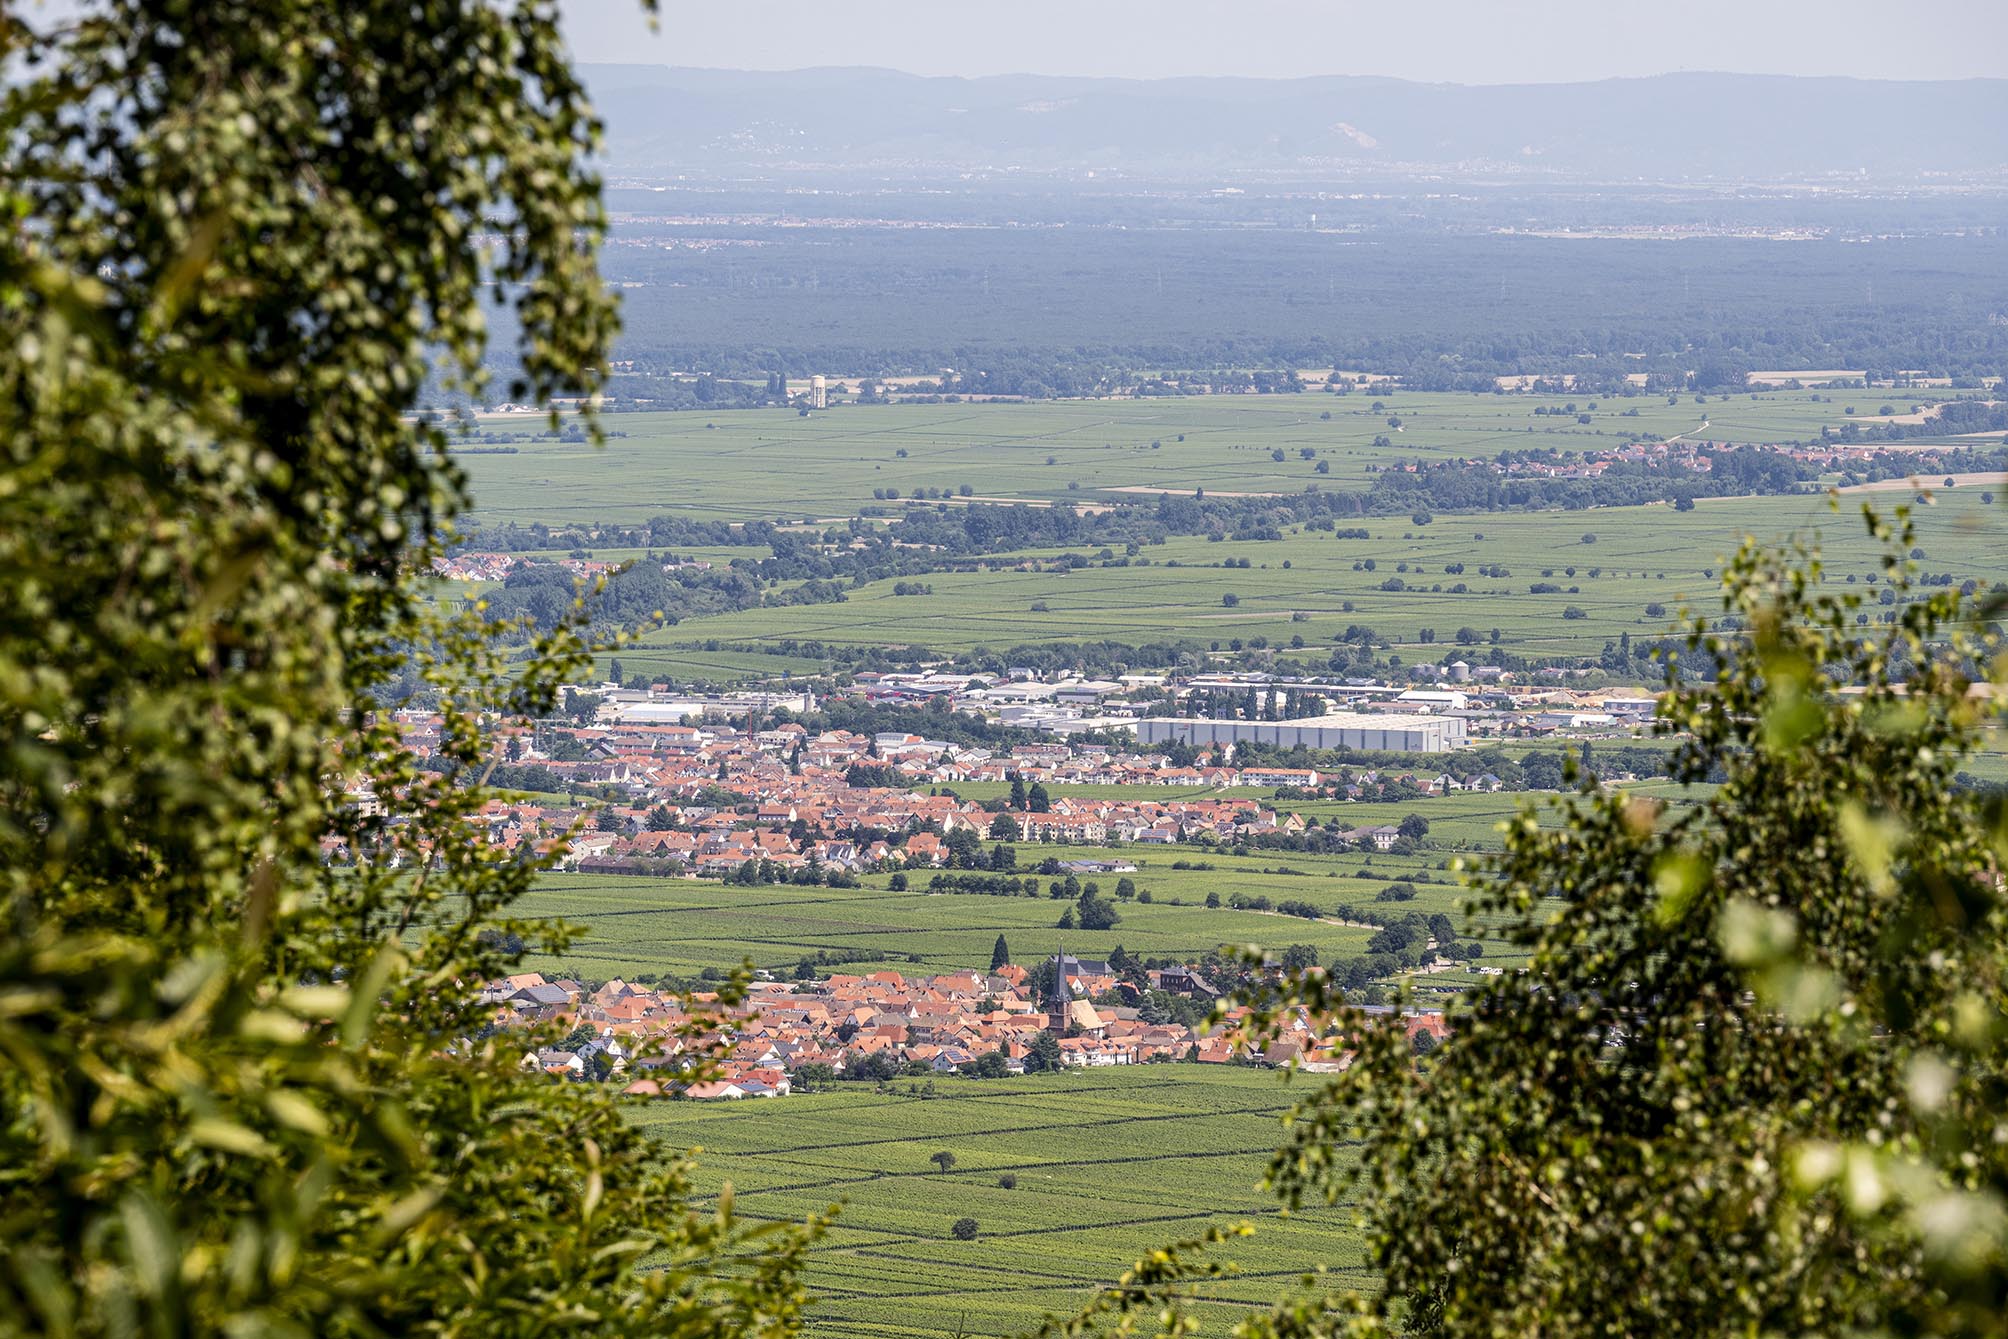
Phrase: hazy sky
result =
(1454, 41)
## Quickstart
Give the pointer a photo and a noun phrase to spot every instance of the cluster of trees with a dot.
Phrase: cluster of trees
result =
(873, 776)
(1958, 417)
(1333, 837)
(813, 874)
(1091, 911)
(1468, 487)
(882, 1067)
(660, 533)
(807, 966)
(985, 885)
(642, 594)
(1033, 799)
(1251, 704)
(934, 721)
(1069, 889)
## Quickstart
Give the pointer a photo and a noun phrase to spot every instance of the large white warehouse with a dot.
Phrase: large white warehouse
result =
(1340, 730)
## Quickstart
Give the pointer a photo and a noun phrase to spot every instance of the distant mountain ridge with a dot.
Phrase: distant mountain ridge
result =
(1722, 127)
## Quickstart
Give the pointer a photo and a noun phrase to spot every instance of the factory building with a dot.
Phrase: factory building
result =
(625, 706)
(1340, 730)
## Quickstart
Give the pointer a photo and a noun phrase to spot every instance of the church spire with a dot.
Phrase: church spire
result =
(1061, 996)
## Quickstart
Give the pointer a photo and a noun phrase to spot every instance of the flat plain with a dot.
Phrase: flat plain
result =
(774, 464)
(1600, 570)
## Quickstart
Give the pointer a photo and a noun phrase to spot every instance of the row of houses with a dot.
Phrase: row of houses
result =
(706, 799)
(647, 1040)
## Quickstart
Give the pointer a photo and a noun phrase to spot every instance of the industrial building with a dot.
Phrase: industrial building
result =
(1340, 730)
(626, 706)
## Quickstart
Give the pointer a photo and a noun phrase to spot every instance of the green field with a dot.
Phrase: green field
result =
(1108, 1165)
(681, 926)
(684, 925)
(747, 464)
(1460, 821)
(1640, 556)
(754, 464)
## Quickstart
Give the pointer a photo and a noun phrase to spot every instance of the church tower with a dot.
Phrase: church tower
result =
(1059, 997)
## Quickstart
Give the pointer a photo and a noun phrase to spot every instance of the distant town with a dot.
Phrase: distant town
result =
(649, 781)
(1066, 1013)
(696, 785)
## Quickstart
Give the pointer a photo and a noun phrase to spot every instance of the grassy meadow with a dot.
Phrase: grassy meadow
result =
(739, 465)
(773, 464)
(1107, 1166)
(1314, 586)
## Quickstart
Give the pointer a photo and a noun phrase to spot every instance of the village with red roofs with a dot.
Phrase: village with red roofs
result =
(884, 1025)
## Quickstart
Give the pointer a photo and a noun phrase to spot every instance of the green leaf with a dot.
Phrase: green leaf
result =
(365, 998)
(229, 1137)
(1756, 936)
(150, 1241)
(1872, 843)
(1679, 878)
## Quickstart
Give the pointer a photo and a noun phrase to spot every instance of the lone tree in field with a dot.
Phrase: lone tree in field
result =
(964, 1229)
(943, 1161)
(1000, 954)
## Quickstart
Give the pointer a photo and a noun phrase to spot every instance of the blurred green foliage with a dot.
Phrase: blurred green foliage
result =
(243, 1091)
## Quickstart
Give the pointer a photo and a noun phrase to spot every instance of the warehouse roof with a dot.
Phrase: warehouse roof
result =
(1338, 720)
